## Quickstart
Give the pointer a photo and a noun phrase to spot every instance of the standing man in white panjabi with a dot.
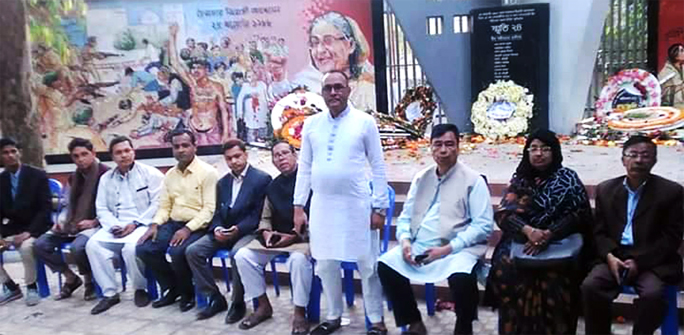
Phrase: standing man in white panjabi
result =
(345, 215)
(127, 200)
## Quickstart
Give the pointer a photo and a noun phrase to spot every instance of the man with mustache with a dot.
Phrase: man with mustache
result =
(127, 200)
(80, 223)
(345, 214)
(639, 223)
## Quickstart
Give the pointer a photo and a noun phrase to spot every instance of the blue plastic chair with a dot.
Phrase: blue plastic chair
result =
(670, 323)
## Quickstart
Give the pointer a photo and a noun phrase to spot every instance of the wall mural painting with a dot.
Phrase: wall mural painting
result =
(144, 68)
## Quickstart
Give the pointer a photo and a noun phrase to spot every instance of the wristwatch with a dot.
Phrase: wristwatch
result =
(380, 211)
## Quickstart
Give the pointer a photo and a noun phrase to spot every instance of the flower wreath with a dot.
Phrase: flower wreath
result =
(423, 95)
(646, 83)
(289, 113)
(514, 97)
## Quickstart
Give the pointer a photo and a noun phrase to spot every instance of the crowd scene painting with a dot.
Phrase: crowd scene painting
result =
(217, 68)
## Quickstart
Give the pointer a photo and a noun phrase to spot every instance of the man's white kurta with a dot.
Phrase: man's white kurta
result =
(334, 155)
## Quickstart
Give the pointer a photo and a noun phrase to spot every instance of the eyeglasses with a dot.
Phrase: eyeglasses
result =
(328, 40)
(632, 155)
(544, 149)
(336, 87)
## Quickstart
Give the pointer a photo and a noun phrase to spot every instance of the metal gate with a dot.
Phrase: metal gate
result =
(403, 70)
(624, 44)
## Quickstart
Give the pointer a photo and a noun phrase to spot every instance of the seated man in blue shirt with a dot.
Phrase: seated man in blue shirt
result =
(443, 231)
(24, 215)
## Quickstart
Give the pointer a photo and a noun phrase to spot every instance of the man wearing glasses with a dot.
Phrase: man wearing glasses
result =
(275, 235)
(639, 224)
(345, 215)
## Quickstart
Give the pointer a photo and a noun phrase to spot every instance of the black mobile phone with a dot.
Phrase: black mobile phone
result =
(115, 230)
(623, 275)
(275, 238)
(420, 258)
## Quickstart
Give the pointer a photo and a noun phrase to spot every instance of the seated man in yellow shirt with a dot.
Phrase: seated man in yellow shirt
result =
(186, 206)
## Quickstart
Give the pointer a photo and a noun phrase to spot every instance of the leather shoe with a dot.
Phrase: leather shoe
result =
(166, 300)
(187, 303)
(141, 299)
(236, 312)
(217, 304)
(105, 304)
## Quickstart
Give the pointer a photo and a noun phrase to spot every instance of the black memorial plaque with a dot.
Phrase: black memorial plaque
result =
(512, 43)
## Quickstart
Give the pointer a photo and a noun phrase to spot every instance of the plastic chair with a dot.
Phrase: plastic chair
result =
(670, 323)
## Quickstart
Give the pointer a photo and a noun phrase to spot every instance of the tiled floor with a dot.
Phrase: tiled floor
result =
(72, 317)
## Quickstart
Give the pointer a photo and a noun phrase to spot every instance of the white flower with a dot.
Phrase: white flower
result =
(502, 91)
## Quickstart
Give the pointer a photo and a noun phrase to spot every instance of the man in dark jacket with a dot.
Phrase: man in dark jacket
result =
(25, 215)
(639, 222)
(239, 200)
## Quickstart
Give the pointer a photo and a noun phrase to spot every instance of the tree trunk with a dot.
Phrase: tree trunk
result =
(19, 118)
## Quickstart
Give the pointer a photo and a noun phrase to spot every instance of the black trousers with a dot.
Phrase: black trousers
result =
(176, 276)
(599, 290)
(398, 290)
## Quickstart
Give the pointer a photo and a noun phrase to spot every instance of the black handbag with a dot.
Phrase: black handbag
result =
(556, 253)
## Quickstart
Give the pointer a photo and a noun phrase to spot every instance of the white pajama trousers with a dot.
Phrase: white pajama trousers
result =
(101, 254)
(330, 272)
(251, 264)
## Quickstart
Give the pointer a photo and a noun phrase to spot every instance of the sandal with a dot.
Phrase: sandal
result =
(68, 289)
(326, 328)
(253, 320)
(300, 326)
(376, 331)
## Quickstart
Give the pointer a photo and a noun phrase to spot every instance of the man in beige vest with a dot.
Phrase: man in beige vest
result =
(443, 232)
